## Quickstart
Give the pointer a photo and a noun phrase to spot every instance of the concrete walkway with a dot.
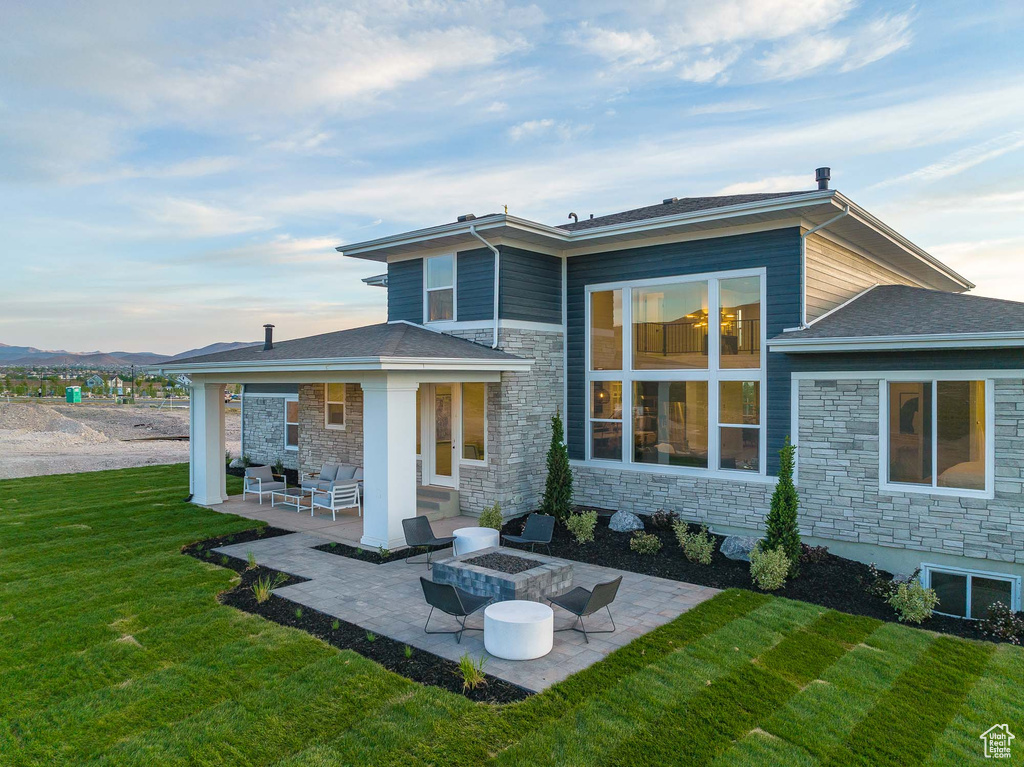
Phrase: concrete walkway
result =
(388, 600)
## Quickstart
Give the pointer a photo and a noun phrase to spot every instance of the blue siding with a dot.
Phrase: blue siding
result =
(271, 388)
(531, 286)
(939, 359)
(475, 275)
(405, 291)
(777, 251)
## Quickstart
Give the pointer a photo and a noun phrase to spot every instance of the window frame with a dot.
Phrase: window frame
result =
(453, 288)
(287, 423)
(462, 430)
(712, 374)
(328, 402)
(927, 568)
(934, 377)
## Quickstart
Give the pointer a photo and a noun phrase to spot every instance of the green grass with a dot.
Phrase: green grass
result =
(114, 651)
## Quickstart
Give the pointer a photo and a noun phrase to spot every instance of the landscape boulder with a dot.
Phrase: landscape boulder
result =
(237, 463)
(738, 547)
(625, 522)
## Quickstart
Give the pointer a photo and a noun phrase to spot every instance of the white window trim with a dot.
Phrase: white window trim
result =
(284, 401)
(453, 287)
(885, 486)
(329, 402)
(462, 436)
(711, 374)
(1014, 580)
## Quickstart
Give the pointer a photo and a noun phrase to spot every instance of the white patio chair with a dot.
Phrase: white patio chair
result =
(260, 481)
(344, 496)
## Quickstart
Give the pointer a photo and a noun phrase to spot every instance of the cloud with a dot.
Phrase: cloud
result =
(802, 56)
(184, 218)
(770, 184)
(563, 130)
(725, 107)
(962, 160)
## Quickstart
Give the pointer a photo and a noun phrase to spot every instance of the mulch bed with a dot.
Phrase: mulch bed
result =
(503, 563)
(832, 582)
(376, 556)
(420, 666)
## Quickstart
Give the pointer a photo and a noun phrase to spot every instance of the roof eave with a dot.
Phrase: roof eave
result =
(1008, 339)
(351, 364)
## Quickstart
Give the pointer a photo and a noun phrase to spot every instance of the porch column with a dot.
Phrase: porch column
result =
(389, 459)
(207, 476)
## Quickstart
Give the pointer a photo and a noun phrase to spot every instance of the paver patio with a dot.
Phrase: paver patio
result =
(387, 599)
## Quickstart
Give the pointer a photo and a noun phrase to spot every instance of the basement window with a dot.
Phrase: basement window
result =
(969, 593)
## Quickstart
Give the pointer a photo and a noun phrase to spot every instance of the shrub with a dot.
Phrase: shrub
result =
(250, 560)
(264, 586)
(697, 547)
(335, 625)
(472, 672)
(371, 637)
(813, 555)
(408, 651)
(227, 457)
(645, 543)
(246, 461)
(1003, 623)
(582, 526)
(769, 567)
(383, 553)
(491, 517)
(663, 520)
(557, 500)
(781, 529)
(912, 601)
(278, 467)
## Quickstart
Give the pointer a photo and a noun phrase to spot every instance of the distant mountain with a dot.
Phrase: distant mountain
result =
(29, 356)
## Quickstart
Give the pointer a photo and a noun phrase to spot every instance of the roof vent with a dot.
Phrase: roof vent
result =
(822, 176)
(575, 218)
(669, 200)
(268, 339)
(465, 217)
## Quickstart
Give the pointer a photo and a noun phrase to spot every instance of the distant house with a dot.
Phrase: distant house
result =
(95, 382)
(183, 379)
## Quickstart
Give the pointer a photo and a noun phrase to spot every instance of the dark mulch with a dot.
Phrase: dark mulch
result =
(503, 563)
(376, 556)
(420, 666)
(832, 582)
(203, 549)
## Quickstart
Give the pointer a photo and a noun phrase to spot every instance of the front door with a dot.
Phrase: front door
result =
(442, 464)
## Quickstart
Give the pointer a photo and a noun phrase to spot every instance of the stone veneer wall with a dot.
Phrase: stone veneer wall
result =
(264, 432)
(519, 411)
(318, 444)
(838, 479)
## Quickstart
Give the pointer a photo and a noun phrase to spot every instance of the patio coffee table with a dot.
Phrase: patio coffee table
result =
(469, 539)
(291, 496)
(518, 630)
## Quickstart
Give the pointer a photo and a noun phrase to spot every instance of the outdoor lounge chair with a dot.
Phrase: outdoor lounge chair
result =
(539, 528)
(583, 603)
(454, 601)
(418, 532)
(340, 496)
(330, 474)
(260, 481)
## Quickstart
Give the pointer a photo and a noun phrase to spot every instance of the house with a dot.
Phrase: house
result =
(684, 342)
(95, 382)
(116, 384)
(182, 379)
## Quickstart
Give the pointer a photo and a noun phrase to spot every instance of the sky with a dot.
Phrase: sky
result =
(177, 174)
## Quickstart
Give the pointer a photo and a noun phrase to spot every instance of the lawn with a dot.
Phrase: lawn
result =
(113, 650)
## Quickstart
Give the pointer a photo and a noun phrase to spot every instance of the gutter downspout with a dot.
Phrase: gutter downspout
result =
(497, 268)
(803, 261)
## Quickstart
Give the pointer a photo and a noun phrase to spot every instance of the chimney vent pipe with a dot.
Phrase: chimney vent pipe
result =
(822, 176)
(268, 338)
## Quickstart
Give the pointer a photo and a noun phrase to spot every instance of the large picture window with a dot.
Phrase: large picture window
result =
(474, 421)
(679, 390)
(439, 288)
(937, 434)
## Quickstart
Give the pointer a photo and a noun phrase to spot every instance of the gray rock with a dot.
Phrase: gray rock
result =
(738, 547)
(625, 522)
(236, 464)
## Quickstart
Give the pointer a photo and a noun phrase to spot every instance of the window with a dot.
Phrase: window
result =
(291, 424)
(334, 405)
(439, 288)
(474, 421)
(937, 435)
(969, 593)
(691, 389)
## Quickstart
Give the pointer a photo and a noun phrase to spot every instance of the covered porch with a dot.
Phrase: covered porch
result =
(390, 365)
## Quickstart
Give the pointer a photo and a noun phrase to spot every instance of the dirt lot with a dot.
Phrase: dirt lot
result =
(44, 438)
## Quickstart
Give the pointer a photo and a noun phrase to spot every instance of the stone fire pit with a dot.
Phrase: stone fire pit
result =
(506, 574)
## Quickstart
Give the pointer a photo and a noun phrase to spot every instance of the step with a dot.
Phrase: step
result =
(436, 503)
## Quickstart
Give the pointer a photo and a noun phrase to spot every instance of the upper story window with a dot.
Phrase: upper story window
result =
(938, 436)
(334, 405)
(677, 390)
(439, 288)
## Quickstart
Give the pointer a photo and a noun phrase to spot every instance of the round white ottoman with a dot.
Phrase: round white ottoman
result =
(469, 539)
(518, 630)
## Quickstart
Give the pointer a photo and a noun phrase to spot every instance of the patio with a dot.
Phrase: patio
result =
(387, 600)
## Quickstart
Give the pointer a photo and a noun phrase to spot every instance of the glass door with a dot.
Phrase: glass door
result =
(442, 464)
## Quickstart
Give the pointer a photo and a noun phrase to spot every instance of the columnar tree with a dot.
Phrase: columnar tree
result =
(557, 499)
(781, 524)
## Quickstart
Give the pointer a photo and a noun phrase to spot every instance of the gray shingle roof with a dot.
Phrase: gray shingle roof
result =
(901, 310)
(682, 205)
(384, 340)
